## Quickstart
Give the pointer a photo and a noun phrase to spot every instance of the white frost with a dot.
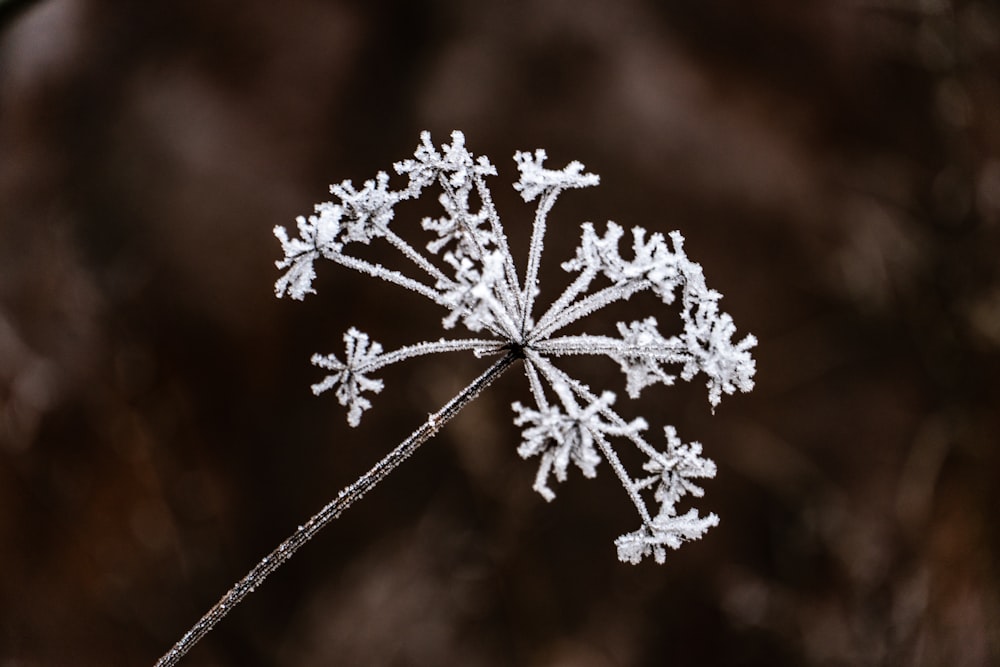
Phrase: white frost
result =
(536, 179)
(468, 271)
(348, 378)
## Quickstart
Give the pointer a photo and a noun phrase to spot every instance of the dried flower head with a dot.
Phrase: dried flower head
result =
(468, 270)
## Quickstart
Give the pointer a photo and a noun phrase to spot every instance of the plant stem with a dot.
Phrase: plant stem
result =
(345, 499)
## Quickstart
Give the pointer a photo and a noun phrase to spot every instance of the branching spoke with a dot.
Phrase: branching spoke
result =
(388, 275)
(574, 289)
(481, 346)
(534, 382)
(511, 287)
(673, 350)
(530, 287)
(553, 321)
(411, 254)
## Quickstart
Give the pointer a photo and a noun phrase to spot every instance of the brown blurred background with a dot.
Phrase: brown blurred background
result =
(835, 167)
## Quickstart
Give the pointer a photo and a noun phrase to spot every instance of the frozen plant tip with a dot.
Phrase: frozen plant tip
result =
(478, 285)
(466, 269)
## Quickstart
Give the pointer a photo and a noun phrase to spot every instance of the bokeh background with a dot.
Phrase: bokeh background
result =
(834, 166)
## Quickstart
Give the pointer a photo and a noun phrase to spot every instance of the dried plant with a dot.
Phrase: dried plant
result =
(469, 271)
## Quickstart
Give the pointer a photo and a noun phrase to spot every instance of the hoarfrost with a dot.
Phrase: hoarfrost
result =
(468, 271)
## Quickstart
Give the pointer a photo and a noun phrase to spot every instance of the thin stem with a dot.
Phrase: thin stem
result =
(552, 321)
(345, 499)
(670, 349)
(535, 383)
(411, 254)
(530, 287)
(577, 287)
(379, 271)
(464, 215)
(511, 287)
(480, 347)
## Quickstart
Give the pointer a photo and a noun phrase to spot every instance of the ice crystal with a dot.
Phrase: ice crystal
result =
(469, 272)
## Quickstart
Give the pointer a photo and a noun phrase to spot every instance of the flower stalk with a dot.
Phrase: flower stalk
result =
(344, 500)
(469, 272)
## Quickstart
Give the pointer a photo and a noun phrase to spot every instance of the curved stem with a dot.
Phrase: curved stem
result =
(345, 499)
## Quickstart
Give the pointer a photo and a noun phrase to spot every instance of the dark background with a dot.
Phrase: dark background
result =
(834, 166)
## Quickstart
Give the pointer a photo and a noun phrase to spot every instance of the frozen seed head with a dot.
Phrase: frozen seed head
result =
(466, 269)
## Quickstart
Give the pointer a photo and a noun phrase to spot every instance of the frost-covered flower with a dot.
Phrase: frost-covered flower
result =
(661, 532)
(641, 368)
(536, 179)
(560, 435)
(469, 272)
(319, 234)
(349, 377)
(558, 438)
(674, 469)
(367, 211)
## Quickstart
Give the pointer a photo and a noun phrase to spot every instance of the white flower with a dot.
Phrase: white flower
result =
(471, 296)
(458, 227)
(674, 469)
(367, 212)
(663, 531)
(456, 164)
(535, 179)
(642, 368)
(318, 236)
(563, 435)
(348, 377)
(469, 272)
(729, 367)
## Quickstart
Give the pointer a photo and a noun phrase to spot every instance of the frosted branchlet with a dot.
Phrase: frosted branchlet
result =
(674, 471)
(318, 234)
(641, 368)
(560, 435)
(348, 378)
(536, 179)
(367, 211)
(467, 270)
